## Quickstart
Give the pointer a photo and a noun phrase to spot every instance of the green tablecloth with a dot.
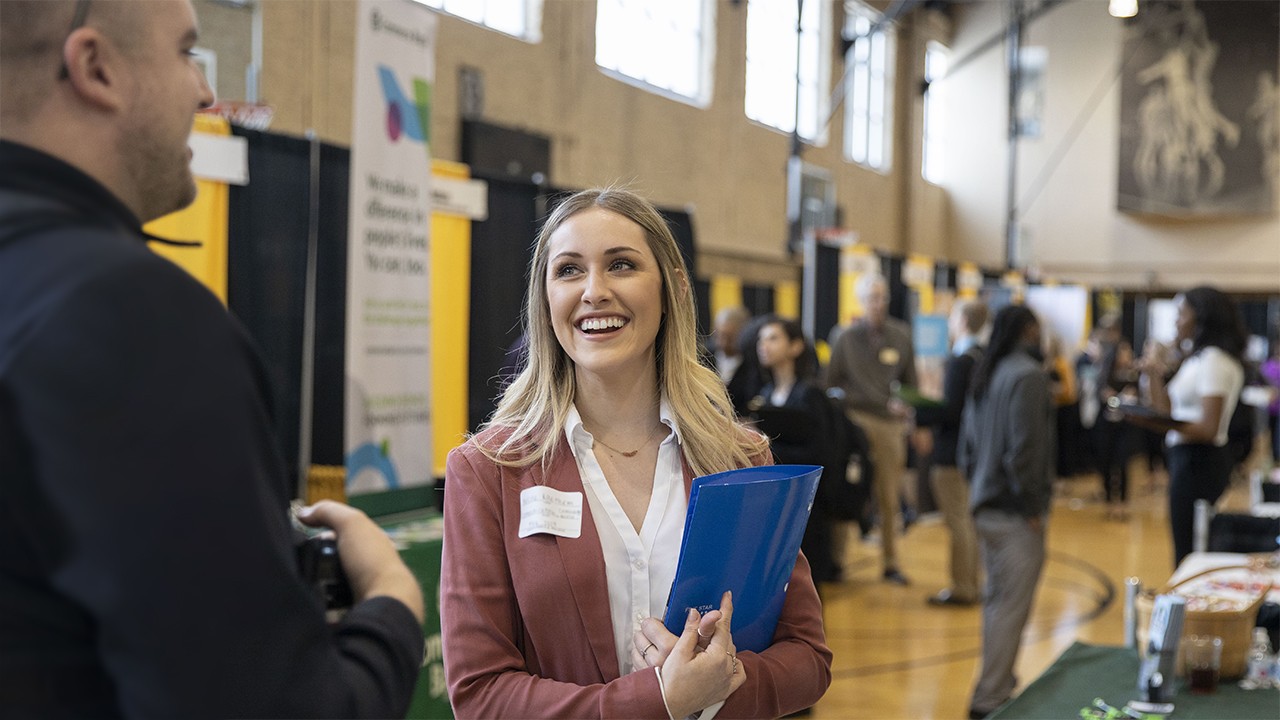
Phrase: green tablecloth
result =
(1085, 672)
(419, 540)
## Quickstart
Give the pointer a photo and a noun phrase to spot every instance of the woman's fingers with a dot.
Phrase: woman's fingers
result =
(707, 628)
(722, 640)
(695, 680)
(653, 633)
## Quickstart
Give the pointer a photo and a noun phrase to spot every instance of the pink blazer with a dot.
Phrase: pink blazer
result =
(526, 625)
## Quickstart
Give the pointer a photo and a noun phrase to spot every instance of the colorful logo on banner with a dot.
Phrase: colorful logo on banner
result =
(375, 458)
(410, 119)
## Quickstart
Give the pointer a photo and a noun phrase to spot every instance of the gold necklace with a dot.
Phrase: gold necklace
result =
(624, 453)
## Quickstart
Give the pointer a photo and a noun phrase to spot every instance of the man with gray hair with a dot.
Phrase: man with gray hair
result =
(868, 359)
(147, 563)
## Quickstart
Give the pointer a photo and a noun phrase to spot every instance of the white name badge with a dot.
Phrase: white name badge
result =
(550, 511)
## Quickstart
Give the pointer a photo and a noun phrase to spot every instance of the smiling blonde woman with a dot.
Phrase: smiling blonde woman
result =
(564, 514)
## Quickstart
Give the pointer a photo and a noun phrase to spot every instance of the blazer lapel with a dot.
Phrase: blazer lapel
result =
(584, 566)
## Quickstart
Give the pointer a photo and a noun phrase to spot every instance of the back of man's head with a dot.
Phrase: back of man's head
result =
(32, 36)
(108, 87)
(973, 315)
(31, 33)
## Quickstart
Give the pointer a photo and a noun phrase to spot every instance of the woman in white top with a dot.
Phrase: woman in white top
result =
(564, 514)
(1200, 398)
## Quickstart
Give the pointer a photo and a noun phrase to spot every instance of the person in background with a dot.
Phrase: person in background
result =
(1086, 371)
(147, 561)
(1066, 403)
(1007, 452)
(950, 486)
(729, 353)
(557, 614)
(1270, 372)
(750, 376)
(867, 359)
(1200, 397)
(1113, 440)
(1151, 437)
(802, 433)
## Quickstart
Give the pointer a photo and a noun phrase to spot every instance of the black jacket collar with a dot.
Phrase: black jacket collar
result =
(32, 172)
(29, 171)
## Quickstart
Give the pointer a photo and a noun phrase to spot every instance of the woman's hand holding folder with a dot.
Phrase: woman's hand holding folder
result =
(652, 643)
(700, 667)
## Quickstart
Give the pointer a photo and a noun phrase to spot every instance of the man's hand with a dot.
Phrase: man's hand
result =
(369, 558)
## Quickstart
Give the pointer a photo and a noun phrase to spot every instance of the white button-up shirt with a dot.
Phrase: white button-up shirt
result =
(639, 567)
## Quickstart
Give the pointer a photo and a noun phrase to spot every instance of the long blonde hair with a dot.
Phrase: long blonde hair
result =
(535, 404)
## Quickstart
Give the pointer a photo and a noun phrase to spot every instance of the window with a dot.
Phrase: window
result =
(869, 95)
(936, 57)
(662, 44)
(772, 76)
(520, 18)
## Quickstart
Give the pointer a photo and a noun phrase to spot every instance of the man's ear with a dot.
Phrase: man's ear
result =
(94, 68)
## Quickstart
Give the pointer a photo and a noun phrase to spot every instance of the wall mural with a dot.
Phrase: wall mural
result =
(1200, 110)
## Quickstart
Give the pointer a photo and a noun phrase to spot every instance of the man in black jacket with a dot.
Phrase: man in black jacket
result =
(147, 566)
(949, 485)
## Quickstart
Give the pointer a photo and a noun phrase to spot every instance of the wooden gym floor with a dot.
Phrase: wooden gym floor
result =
(897, 657)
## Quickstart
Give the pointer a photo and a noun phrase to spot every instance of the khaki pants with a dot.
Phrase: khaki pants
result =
(951, 492)
(889, 456)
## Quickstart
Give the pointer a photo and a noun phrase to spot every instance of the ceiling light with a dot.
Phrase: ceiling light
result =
(1123, 8)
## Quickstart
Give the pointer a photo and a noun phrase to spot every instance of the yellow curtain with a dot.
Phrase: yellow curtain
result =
(450, 321)
(726, 292)
(786, 299)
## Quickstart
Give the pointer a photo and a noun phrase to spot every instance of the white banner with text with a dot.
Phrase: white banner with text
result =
(388, 353)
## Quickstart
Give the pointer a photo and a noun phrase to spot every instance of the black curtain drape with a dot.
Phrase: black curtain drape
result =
(501, 247)
(827, 293)
(758, 299)
(267, 227)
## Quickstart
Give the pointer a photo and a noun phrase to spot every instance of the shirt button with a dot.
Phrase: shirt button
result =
(639, 563)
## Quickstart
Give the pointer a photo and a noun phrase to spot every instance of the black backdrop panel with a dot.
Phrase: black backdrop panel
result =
(266, 281)
(702, 296)
(503, 153)
(500, 250)
(758, 299)
(328, 425)
(898, 290)
(266, 268)
(1254, 313)
(827, 293)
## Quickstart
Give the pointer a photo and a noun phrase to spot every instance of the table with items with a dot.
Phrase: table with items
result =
(1085, 673)
(419, 537)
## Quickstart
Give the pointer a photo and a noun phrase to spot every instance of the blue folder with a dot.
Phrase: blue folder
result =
(742, 533)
